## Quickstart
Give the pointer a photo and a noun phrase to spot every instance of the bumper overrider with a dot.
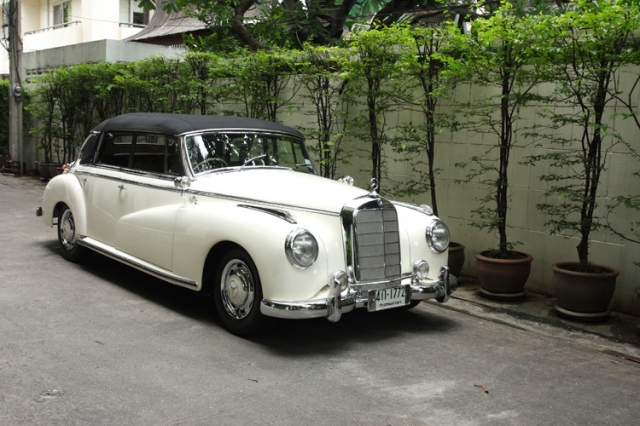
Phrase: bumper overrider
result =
(334, 306)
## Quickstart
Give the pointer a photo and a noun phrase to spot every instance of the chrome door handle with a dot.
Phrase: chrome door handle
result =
(122, 187)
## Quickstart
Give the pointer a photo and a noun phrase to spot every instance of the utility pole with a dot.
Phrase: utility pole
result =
(15, 88)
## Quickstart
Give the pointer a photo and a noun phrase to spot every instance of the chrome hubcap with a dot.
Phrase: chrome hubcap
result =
(237, 289)
(67, 230)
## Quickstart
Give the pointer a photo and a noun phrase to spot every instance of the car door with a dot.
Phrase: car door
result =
(133, 198)
(101, 184)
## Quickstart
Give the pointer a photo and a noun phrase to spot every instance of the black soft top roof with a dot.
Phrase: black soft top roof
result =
(177, 124)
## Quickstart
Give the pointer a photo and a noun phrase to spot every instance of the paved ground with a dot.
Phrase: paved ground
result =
(101, 343)
(619, 334)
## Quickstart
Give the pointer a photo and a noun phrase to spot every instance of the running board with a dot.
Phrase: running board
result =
(134, 262)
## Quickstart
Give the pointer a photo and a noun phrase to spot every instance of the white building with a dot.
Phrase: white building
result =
(54, 31)
(59, 33)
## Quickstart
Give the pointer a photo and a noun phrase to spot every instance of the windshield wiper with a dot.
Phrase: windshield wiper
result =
(253, 160)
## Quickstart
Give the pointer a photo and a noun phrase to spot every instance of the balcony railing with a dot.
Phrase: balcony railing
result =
(53, 27)
(129, 24)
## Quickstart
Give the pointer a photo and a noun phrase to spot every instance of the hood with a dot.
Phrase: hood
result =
(284, 187)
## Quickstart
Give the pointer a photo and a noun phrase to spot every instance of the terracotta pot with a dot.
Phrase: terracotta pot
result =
(456, 258)
(583, 296)
(503, 279)
(43, 169)
(55, 169)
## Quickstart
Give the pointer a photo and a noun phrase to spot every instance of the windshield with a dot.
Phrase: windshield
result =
(211, 151)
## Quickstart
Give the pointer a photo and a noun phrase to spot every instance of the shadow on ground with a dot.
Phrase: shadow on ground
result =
(285, 337)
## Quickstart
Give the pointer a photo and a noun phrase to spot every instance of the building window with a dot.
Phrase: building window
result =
(131, 13)
(62, 13)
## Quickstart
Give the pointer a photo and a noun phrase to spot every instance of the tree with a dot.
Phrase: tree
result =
(325, 87)
(287, 23)
(376, 83)
(426, 68)
(591, 44)
(502, 54)
(262, 82)
(4, 111)
(206, 86)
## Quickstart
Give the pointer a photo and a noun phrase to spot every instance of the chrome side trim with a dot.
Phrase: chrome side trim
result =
(282, 214)
(167, 178)
(262, 131)
(242, 200)
(261, 203)
(411, 206)
(134, 262)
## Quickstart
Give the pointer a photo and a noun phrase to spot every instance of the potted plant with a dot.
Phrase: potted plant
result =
(417, 142)
(374, 84)
(324, 92)
(499, 54)
(589, 48)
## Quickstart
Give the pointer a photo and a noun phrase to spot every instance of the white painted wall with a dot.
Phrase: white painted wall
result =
(97, 20)
(525, 223)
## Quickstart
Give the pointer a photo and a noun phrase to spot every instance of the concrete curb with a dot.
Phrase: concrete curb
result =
(619, 335)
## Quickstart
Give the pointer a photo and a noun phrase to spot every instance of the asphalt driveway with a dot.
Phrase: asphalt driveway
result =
(101, 343)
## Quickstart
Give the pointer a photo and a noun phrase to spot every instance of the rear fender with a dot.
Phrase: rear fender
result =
(65, 188)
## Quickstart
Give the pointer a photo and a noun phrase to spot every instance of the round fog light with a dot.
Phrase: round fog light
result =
(340, 279)
(420, 269)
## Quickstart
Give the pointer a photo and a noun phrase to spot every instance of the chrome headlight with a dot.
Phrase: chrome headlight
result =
(301, 248)
(438, 236)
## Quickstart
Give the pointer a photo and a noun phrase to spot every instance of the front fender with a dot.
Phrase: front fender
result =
(413, 227)
(65, 188)
(199, 227)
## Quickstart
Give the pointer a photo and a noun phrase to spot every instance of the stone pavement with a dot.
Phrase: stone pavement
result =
(26, 181)
(619, 335)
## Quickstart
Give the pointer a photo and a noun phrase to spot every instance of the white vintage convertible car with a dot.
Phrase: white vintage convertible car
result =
(233, 207)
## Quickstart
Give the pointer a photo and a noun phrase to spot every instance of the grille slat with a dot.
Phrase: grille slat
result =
(377, 244)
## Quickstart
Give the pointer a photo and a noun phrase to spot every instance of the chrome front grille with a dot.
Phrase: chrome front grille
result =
(376, 243)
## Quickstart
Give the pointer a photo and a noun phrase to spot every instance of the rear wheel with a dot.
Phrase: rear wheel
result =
(67, 236)
(237, 294)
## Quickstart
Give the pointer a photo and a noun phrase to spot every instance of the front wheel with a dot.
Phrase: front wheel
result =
(237, 294)
(67, 237)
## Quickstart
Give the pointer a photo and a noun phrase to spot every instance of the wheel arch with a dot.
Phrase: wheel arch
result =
(204, 231)
(212, 261)
(65, 189)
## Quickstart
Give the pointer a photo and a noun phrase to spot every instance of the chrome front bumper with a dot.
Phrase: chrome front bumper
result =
(333, 307)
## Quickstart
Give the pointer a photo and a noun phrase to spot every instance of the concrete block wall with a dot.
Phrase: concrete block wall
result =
(525, 223)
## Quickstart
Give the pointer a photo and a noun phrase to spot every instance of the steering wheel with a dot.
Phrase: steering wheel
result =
(211, 160)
